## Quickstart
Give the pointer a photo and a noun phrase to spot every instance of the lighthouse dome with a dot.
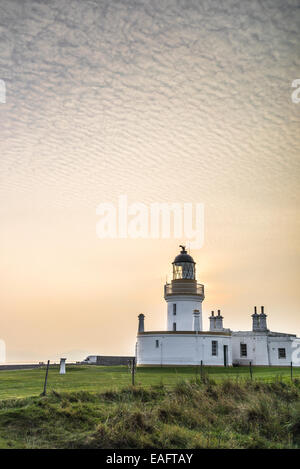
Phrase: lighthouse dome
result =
(183, 256)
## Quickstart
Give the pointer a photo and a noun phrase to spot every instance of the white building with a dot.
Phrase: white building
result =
(185, 343)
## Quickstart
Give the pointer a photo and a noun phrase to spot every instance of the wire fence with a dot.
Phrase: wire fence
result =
(93, 378)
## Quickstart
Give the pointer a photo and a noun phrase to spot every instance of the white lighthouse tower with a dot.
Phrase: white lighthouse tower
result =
(183, 295)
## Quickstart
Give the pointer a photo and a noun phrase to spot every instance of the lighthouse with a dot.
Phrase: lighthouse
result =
(184, 342)
(183, 295)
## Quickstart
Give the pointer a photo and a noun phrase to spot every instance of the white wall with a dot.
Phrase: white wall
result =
(184, 312)
(262, 348)
(257, 351)
(185, 349)
(281, 342)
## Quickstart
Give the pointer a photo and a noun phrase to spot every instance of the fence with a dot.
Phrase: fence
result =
(42, 380)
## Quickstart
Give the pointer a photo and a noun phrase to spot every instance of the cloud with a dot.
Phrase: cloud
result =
(182, 101)
(115, 90)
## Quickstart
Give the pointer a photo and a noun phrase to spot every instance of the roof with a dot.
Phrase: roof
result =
(183, 256)
(206, 333)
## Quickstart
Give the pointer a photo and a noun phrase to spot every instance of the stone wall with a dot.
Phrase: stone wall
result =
(105, 360)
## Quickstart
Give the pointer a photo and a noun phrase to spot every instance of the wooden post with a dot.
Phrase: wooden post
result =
(132, 370)
(46, 378)
(292, 371)
(250, 369)
(201, 370)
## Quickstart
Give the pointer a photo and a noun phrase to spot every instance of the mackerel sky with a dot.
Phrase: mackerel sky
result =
(163, 101)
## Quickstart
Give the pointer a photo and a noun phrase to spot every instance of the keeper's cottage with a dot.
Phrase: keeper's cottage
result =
(185, 343)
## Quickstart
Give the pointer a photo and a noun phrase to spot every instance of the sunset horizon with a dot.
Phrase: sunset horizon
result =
(187, 103)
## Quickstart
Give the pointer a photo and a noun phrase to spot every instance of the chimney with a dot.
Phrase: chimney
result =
(263, 320)
(141, 323)
(212, 321)
(255, 320)
(196, 320)
(216, 322)
(219, 320)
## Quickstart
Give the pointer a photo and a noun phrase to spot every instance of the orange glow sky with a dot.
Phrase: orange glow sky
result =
(164, 103)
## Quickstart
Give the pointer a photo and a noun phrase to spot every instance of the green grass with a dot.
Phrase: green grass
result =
(23, 383)
(193, 414)
(96, 407)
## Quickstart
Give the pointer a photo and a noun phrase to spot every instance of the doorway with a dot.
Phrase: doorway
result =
(225, 348)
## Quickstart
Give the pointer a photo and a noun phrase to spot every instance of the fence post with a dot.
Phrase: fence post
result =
(46, 378)
(201, 370)
(292, 371)
(250, 369)
(132, 370)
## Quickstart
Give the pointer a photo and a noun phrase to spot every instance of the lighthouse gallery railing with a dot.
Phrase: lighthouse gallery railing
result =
(170, 290)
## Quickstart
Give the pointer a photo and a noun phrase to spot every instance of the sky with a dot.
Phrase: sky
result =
(169, 101)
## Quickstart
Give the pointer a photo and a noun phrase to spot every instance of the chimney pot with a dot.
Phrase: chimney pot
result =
(141, 327)
(255, 310)
(262, 309)
(219, 312)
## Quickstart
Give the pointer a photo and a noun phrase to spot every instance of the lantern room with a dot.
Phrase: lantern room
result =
(184, 266)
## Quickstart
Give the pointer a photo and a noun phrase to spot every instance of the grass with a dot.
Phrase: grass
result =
(23, 383)
(193, 414)
(96, 407)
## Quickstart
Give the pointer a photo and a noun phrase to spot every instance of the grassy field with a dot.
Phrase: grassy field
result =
(96, 407)
(24, 383)
(193, 414)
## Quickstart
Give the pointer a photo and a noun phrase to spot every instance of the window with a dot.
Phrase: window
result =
(281, 353)
(157, 343)
(174, 309)
(214, 347)
(243, 350)
(183, 270)
(174, 326)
